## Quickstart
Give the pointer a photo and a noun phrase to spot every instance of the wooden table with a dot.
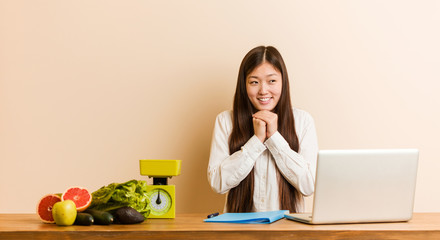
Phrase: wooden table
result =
(191, 226)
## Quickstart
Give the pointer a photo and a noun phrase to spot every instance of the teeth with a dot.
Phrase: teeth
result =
(264, 99)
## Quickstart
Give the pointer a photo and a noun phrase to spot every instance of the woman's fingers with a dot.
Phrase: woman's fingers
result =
(266, 116)
(271, 120)
(259, 129)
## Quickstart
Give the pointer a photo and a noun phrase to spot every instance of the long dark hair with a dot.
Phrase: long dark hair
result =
(240, 198)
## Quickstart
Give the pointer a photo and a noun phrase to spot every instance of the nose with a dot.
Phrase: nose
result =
(263, 88)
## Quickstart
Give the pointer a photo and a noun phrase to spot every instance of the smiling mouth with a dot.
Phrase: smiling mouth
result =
(266, 99)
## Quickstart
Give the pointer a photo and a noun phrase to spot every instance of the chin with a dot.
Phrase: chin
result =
(267, 108)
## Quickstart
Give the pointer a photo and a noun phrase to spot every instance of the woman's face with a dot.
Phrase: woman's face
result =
(263, 86)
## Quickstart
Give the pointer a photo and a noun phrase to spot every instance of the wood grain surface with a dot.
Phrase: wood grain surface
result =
(191, 226)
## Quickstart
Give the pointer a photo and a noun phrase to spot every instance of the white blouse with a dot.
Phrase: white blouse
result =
(226, 171)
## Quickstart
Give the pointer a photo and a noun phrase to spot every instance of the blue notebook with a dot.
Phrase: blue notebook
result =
(251, 217)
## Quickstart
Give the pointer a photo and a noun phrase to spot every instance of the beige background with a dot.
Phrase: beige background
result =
(87, 88)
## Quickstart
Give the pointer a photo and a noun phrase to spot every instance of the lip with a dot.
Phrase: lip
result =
(264, 100)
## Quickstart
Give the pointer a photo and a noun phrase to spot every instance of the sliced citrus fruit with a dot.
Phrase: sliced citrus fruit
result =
(44, 207)
(80, 196)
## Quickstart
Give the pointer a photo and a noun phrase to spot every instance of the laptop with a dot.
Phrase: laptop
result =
(360, 186)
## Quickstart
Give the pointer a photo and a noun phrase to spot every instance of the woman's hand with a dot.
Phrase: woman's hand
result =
(259, 129)
(270, 119)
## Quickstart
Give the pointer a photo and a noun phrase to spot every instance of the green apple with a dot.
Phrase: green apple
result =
(64, 212)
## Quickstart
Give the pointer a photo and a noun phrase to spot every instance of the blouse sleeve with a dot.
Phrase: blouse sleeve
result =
(226, 171)
(299, 168)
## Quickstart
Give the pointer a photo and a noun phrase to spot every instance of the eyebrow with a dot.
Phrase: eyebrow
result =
(268, 75)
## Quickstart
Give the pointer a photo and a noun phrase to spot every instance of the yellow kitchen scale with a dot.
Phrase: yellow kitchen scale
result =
(162, 196)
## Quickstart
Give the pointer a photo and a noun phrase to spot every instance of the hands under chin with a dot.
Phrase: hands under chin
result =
(265, 124)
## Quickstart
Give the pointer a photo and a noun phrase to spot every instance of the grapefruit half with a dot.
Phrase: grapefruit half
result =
(44, 207)
(80, 196)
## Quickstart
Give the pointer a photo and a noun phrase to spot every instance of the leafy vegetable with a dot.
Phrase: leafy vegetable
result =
(116, 195)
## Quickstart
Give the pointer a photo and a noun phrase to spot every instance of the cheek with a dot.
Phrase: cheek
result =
(277, 90)
(250, 91)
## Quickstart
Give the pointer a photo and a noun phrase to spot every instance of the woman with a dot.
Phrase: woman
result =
(263, 152)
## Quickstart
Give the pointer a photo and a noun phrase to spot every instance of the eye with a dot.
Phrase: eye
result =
(272, 81)
(253, 82)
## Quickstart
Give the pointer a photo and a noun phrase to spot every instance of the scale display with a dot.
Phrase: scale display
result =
(160, 201)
